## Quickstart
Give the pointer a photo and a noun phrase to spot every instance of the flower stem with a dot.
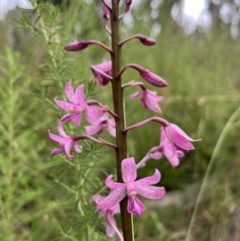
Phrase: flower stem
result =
(159, 120)
(118, 101)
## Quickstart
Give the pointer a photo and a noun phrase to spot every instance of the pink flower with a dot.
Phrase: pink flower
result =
(172, 145)
(131, 188)
(108, 214)
(78, 106)
(99, 124)
(168, 150)
(67, 143)
(102, 72)
(149, 99)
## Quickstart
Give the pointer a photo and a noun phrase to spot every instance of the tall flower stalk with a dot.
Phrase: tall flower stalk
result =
(118, 101)
(174, 142)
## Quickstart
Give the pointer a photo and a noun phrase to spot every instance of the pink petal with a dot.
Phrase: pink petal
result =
(93, 129)
(66, 118)
(156, 155)
(171, 156)
(113, 185)
(101, 76)
(150, 100)
(129, 170)
(70, 93)
(76, 118)
(68, 148)
(64, 105)
(112, 122)
(60, 128)
(135, 206)
(105, 66)
(80, 94)
(77, 148)
(111, 130)
(58, 139)
(150, 192)
(135, 95)
(178, 137)
(113, 198)
(57, 151)
(150, 104)
(110, 223)
(97, 198)
(155, 178)
(179, 153)
(94, 113)
(172, 128)
(163, 137)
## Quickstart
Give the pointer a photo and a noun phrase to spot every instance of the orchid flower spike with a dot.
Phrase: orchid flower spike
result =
(149, 99)
(7, 5)
(131, 188)
(78, 106)
(67, 143)
(147, 75)
(102, 72)
(99, 124)
(108, 214)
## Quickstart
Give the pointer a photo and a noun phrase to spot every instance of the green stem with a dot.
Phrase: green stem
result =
(216, 151)
(82, 200)
(118, 101)
(46, 38)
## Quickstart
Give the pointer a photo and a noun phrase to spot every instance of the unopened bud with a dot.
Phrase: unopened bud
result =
(145, 40)
(77, 46)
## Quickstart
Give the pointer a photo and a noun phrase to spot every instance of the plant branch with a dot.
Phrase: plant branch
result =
(152, 119)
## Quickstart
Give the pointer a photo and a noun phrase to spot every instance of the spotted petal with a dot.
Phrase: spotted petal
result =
(64, 105)
(70, 93)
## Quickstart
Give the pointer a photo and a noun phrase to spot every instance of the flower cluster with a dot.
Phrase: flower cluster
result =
(174, 142)
(97, 116)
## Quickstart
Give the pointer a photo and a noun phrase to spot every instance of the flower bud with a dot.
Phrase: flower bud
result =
(145, 40)
(152, 78)
(77, 46)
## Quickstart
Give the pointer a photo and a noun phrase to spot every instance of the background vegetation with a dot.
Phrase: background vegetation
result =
(47, 198)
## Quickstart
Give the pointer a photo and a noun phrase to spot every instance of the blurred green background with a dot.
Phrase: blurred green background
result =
(202, 69)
